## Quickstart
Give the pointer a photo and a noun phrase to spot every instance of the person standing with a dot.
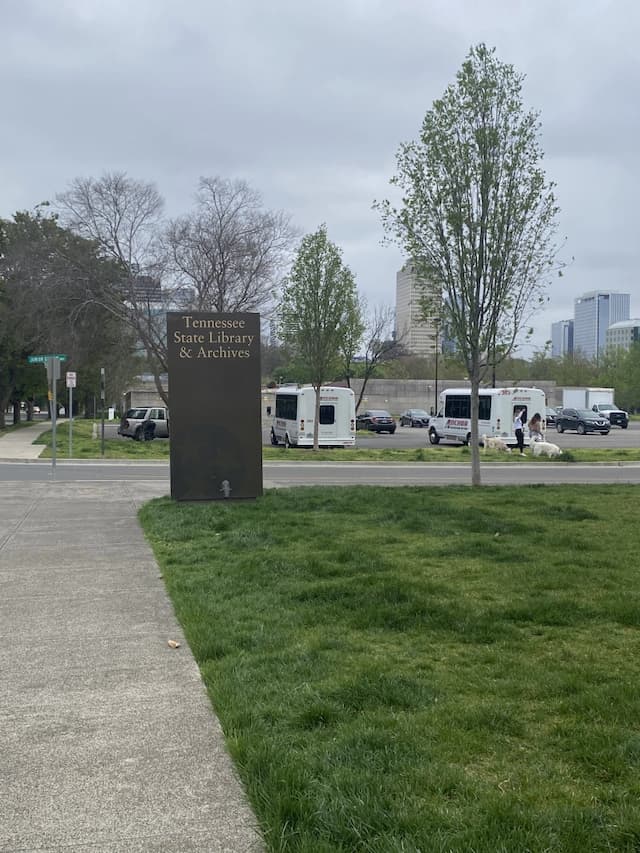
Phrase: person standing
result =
(535, 428)
(518, 429)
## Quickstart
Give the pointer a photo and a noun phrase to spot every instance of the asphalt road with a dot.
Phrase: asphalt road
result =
(155, 476)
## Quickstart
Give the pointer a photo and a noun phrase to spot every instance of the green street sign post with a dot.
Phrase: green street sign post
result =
(52, 363)
(43, 359)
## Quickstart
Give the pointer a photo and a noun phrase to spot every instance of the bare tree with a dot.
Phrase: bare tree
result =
(230, 252)
(121, 214)
(380, 343)
(374, 330)
(124, 217)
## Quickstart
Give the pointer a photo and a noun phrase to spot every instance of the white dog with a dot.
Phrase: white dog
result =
(545, 448)
(495, 443)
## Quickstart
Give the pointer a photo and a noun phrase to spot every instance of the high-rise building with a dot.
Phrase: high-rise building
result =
(593, 314)
(419, 335)
(623, 334)
(561, 338)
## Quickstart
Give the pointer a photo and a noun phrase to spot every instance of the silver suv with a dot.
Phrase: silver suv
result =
(145, 424)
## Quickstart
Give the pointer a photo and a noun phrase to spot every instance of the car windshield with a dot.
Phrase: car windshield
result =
(379, 413)
(587, 413)
(419, 413)
(136, 413)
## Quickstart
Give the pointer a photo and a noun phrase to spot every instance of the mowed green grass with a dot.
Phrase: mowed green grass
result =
(408, 669)
(84, 446)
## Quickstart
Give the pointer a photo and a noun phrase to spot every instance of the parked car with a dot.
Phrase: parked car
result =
(582, 421)
(617, 417)
(145, 423)
(552, 414)
(376, 420)
(414, 418)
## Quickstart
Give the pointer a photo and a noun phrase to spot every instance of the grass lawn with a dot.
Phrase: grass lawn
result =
(86, 447)
(426, 670)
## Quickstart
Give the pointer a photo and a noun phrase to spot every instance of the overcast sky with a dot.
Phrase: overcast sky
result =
(308, 100)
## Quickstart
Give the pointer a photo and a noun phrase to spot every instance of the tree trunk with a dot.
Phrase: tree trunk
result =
(316, 420)
(475, 446)
(162, 391)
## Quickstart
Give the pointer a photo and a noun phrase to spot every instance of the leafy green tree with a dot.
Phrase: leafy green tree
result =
(477, 216)
(620, 369)
(319, 311)
(46, 273)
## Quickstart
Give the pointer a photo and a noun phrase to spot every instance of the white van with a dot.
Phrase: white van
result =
(295, 410)
(497, 408)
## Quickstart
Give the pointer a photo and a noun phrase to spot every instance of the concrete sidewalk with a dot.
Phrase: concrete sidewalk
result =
(18, 444)
(107, 738)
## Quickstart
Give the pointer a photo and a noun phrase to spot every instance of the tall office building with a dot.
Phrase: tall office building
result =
(419, 335)
(561, 338)
(593, 314)
(623, 334)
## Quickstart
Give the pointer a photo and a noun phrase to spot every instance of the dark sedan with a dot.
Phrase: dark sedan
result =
(414, 418)
(582, 421)
(376, 420)
(552, 414)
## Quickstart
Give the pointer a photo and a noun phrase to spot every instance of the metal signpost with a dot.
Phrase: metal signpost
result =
(102, 399)
(71, 384)
(52, 363)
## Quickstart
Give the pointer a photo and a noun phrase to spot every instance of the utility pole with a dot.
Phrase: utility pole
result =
(436, 323)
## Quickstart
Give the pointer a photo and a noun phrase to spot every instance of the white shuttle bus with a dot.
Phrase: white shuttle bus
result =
(497, 408)
(295, 411)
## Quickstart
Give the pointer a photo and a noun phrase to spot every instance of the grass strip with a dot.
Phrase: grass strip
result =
(87, 447)
(406, 669)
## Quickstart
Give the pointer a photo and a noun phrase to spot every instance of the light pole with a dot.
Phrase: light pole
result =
(436, 323)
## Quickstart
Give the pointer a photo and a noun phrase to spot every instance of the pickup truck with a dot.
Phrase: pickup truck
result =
(145, 423)
(616, 416)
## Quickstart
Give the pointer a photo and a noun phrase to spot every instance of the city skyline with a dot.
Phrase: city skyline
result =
(586, 333)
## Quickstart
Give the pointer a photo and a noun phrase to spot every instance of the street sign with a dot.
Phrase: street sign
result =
(71, 379)
(43, 359)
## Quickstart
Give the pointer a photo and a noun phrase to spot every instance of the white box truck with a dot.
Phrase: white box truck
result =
(599, 400)
(586, 398)
(496, 413)
(295, 412)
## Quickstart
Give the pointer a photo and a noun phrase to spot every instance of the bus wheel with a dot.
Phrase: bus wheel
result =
(434, 438)
(274, 439)
(467, 440)
(287, 443)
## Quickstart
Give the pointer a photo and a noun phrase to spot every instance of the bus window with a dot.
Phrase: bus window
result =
(484, 410)
(287, 407)
(457, 406)
(327, 414)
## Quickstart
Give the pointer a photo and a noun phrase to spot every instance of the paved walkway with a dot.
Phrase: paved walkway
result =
(107, 738)
(19, 443)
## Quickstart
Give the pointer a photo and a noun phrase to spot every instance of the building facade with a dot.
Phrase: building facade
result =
(593, 314)
(419, 335)
(562, 338)
(623, 334)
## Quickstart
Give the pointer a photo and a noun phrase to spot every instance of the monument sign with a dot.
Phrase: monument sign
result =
(215, 422)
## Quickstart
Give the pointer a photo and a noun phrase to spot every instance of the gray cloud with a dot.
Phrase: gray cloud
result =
(309, 102)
